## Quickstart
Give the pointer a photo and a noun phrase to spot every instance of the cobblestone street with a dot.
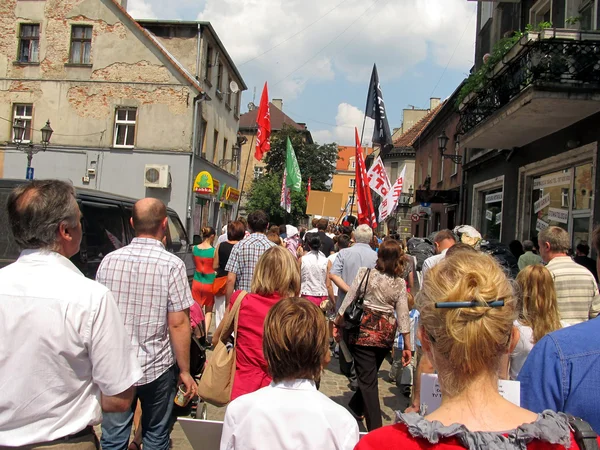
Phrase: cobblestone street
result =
(335, 386)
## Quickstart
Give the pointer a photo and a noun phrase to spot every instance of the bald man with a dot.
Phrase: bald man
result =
(152, 292)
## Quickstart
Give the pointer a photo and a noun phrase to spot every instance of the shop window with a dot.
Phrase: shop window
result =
(550, 201)
(491, 213)
(81, 44)
(29, 43)
(583, 192)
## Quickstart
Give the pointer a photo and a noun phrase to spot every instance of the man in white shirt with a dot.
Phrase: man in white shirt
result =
(442, 241)
(152, 291)
(65, 353)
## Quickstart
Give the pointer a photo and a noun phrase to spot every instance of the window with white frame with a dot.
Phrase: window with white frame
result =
(29, 43)
(455, 164)
(125, 122)
(540, 12)
(586, 14)
(23, 114)
(441, 169)
(352, 163)
(258, 172)
(352, 182)
(81, 44)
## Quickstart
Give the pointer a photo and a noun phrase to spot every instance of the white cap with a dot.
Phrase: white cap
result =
(291, 231)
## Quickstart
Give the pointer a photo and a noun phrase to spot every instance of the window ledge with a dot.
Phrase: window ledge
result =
(87, 66)
(23, 63)
(121, 147)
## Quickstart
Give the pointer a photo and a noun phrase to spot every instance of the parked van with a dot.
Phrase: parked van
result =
(106, 227)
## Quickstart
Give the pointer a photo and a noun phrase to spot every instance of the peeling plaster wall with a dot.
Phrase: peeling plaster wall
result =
(184, 49)
(81, 101)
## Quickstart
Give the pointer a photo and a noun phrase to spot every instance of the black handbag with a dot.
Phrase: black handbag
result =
(354, 312)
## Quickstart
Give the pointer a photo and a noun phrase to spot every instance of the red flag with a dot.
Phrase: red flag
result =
(263, 121)
(308, 189)
(366, 212)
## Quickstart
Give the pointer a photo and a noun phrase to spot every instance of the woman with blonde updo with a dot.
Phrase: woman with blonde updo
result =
(468, 308)
(538, 313)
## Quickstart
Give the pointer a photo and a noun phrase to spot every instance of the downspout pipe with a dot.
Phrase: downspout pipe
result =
(190, 197)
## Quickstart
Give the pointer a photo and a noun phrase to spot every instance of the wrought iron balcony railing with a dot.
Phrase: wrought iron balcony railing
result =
(555, 63)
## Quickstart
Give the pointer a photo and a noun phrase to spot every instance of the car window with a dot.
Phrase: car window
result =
(9, 250)
(177, 236)
(103, 229)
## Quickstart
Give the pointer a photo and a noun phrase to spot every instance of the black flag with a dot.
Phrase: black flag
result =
(375, 109)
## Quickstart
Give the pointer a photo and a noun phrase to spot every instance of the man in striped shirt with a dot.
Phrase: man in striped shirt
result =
(576, 289)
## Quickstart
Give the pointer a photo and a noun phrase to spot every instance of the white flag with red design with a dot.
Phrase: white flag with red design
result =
(390, 202)
(378, 178)
(285, 200)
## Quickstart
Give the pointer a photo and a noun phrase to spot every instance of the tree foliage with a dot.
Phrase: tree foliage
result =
(316, 162)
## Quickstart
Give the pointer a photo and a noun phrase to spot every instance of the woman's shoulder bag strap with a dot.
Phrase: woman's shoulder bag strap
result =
(585, 436)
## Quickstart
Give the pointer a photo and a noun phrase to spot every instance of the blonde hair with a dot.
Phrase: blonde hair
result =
(466, 342)
(537, 301)
(276, 271)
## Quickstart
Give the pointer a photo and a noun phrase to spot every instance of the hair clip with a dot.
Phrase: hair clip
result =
(471, 304)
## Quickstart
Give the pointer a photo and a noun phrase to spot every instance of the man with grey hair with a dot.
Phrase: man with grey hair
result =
(343, 272)
(576, 289)
(528, 258)
(66, 356)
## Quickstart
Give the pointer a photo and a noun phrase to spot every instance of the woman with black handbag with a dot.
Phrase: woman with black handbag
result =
(375, 306)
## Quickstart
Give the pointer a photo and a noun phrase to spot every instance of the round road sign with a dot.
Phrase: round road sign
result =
(415, 217)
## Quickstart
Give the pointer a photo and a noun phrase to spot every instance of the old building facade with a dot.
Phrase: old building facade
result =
(137, 108)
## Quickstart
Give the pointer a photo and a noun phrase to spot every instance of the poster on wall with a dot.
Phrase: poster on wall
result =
(489, 215)
(558, 215)
(541, 203)
(555, 179)
(540, 225)
(499, 218)
(493, 198)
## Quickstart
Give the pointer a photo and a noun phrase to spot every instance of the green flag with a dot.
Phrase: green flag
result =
(294, 179)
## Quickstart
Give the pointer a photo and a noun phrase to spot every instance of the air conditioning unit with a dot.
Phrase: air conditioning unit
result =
(157, 176)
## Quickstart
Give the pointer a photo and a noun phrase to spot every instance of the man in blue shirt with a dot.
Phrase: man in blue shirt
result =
(562, 372)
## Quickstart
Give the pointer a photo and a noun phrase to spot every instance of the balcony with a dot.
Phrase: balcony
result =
(546, 82)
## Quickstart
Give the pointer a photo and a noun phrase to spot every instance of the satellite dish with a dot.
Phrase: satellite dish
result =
(233, 87)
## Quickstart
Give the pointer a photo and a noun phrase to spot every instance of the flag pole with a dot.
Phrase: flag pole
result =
(237, 216)
(354, 190)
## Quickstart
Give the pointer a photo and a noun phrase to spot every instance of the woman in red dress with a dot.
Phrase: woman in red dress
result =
(276, 276)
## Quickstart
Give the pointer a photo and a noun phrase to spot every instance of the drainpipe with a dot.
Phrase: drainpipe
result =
(199, 52)
(190, 197)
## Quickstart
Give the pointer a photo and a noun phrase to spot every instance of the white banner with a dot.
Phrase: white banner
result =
(378, 179)
(541, 203)
(558, 215)
(431, 394)
(493, 198)
(489, 215)
(540, 225)
(557, 179)
(390, 202)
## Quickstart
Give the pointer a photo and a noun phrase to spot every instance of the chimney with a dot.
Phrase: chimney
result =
(434, 102)
(278, 103)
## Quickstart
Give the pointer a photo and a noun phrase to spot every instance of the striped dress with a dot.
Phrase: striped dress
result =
(576, 290)
(204, 276)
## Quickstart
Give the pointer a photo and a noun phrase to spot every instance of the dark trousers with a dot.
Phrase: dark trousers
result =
(367, 361)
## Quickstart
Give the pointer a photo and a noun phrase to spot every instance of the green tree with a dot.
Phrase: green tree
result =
(316, 162)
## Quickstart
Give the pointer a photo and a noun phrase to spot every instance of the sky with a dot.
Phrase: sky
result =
(317, 55)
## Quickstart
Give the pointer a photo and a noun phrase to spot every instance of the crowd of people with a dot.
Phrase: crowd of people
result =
(96, 351)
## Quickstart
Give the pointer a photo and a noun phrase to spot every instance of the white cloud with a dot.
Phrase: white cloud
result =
(348, 117)
(141, 9)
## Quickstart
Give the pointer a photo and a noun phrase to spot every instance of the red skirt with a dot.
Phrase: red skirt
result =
(203, 294)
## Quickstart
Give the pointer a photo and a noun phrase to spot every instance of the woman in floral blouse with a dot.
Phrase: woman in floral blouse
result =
(385, 310)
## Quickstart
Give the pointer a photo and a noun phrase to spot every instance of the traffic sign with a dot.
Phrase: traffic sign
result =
(29, 175)
(425, 204)
(415, 217)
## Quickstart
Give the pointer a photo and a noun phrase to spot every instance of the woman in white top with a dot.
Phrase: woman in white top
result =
(291, 413)
(538, 313)
(315, 284)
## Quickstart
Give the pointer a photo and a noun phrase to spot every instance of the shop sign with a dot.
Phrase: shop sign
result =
(221, 194)
(204, 183)
(493, 198)
(558, 215)
(232, 195)
(216, 186)
(498, 218)
(489, 215)
(420, 210)
(541, 203)
(540, 225)
(556, 179)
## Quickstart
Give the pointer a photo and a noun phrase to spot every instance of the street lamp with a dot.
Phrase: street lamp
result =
(30, 149)
(442, 143)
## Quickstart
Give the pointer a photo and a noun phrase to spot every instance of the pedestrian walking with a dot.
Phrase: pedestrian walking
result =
(528, 258)
(235, 233)
(468, 307)
(245, 254)
(152, 292)
(576, 288)
(204, 276)
(581, 257)
(385, 309)
(315, 285)
(290, 413)
(276, 276)
(65, 353)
